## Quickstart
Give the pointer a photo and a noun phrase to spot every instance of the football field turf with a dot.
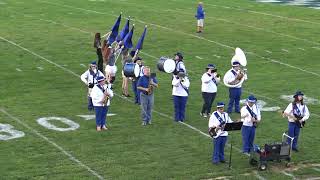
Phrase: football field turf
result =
(47, 44)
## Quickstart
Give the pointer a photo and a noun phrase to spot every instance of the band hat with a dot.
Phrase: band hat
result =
(137, 59)
(100, 78)
(252, 99)
(93, 63)
(220, 104)
(298, 93)
(211, 66)
(235, 63)
(179, 54)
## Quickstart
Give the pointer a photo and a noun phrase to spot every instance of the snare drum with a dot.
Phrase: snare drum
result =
(166, 65)
(131, 70)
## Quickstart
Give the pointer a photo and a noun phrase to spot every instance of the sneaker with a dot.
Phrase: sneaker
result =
(149, 123)
(205, 115)
(201, 114)
(144, 124)
(98, 128)
(246, 153)
(104, 127)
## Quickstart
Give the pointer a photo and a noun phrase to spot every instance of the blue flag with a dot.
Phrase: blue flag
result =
(140, 42)
(114, 31)
(127, 41)
(124, 31)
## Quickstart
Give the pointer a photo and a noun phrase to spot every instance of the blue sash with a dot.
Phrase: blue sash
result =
(213, 79)
(234, 72)
(296, 110)
(251, 112)
(185, 88)
(222, 122)
(94, 75)
(100, 88)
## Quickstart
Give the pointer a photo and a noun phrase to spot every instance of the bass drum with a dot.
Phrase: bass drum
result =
(131, 70)
(166, 65)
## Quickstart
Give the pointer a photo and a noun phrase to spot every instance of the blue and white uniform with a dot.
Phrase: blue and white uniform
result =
(101, 109)
(218, 119)
(180, 93)
(209, 91)
(248, 129)
(234, 92)
(296, 109)
(89, 77)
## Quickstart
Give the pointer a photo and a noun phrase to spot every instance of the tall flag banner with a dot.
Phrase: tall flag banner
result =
(140, 42)
(124, 31)
(114, 31)
(127, 41)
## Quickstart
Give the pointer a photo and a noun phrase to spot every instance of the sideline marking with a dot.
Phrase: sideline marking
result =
(71, 157)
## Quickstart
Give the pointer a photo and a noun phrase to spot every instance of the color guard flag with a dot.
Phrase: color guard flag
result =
(114, 31)
(124, 31)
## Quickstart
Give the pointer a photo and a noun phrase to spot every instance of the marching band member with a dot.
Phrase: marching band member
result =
(111, 68)
(234, 75)
(138, 61)
(179, 63)
(200, 17)
(297, 113)
(217, 121)
(146, 85)
(89, 78)
(250, 116)
(210, 80)
(101, 95)
(180, 93)
(125, 80)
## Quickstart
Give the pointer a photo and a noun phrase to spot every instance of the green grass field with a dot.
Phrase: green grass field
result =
(44, 42)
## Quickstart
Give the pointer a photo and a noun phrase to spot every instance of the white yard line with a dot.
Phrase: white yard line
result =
(191, 35)
(316, 48)
(198, 57)
(288, 174)
(71, 157)
(285, 50)
(316, 169)
(17, 69)
(216, 56)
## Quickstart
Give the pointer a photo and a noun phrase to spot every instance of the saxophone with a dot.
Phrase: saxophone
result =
(150, 87)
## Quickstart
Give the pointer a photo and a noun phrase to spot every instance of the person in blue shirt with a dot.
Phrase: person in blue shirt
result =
(146, 85)
(200, 17)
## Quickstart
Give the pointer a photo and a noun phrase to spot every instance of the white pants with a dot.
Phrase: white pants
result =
(200, 22)
(112, 70)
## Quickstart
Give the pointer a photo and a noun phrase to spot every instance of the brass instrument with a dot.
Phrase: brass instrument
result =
(106, 98)
(241, 58)
(151, 86)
